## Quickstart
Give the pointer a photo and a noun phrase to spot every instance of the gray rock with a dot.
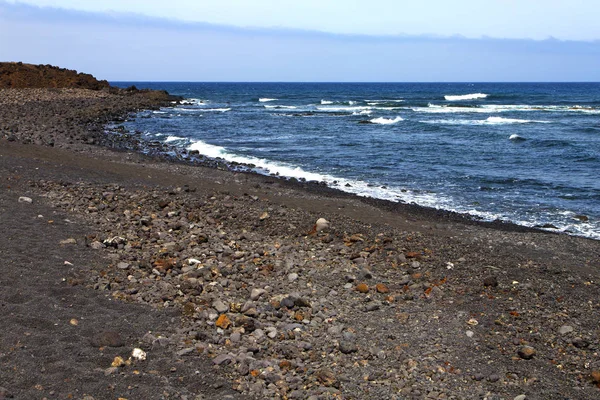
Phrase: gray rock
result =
(520, 397)
(185, 351)
(256, 293)
(222, 359)
(347, 347)
(292, 277)
(24, 199)
(565, 329)
(220, 306)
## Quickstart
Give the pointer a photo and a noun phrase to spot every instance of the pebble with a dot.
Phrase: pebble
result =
(565, 329)
(256, 293)
(24, 199)
(526, 352)
(596, 376)
(520, 397)
(220, 306)
(223, 322)
(222, 359)
(381, 288)
(362, 288)
(347, 347)
(321, 225)
(292, 277)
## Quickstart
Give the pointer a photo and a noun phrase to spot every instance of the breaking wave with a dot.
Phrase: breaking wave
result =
(386, 121)
(472, 96)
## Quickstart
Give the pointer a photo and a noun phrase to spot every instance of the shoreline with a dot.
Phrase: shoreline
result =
(389, 301)
(170, 153)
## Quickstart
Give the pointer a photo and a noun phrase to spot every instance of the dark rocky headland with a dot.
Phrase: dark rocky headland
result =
(233, 285)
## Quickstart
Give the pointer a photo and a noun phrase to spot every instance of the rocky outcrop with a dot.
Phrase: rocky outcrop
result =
(20, 75)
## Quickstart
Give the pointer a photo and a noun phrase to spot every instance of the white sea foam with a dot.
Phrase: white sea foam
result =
(472, 96)
(281, 107)
(385, 101)
(324, 102)
(173, 139)
(348, 109)
(189, 110)
(488, 121)
(386, 121)
(362, 188)
(159, 112)
(516, 137)
(363, 112)
(216, 109)
(196, 101)
(265, 99)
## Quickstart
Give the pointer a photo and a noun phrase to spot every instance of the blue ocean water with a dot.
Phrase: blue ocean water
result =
(522, 152)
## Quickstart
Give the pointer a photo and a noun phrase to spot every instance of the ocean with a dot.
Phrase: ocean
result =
(528, 153)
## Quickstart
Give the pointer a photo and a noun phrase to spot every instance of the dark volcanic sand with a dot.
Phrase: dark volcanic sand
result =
(449, 311)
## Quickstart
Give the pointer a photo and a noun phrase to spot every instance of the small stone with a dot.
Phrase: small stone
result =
(74, 322)
(220, 306)
(373, 306)
(96, 245)
(347, 347)
(222, 359)
(326, 377)
(118, 362)
(490, 281)
(565, 329)
(596, 377)
(381, 288)
(526, 352)
(138, 354)
(292, 277)
(362, 288)
(24, 199)
(256, 293)
(264, 216)
(520, 397)
(122, 265)
(185, 351)
(478, 377)
(321, 225)
(494, 378)
(470, 334)
(223, 322)
(68, 241)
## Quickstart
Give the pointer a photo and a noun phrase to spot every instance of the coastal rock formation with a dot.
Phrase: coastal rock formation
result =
(20, 75)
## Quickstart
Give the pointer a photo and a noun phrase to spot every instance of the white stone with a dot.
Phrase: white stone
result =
(24, 199)
(138, 354)
(322, 224)
(292, 277)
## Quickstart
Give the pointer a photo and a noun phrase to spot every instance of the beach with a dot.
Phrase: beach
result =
(232, 289)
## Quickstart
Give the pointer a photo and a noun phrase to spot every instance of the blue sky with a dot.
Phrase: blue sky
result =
(310, 40)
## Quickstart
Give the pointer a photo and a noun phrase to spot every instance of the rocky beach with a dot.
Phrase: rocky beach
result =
(127, 274)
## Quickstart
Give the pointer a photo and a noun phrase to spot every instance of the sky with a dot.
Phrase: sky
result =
(309, 40)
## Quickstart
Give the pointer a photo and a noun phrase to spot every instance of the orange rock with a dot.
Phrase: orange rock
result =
(596, 377)
(362, 287)
(285, 364)
(381, 288)
(255, 373)
(298, 316)
(223, 322)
